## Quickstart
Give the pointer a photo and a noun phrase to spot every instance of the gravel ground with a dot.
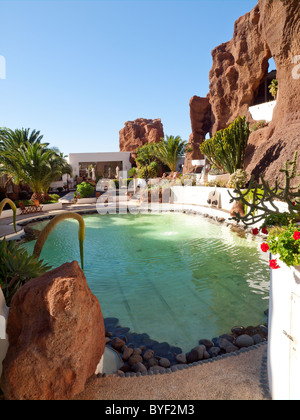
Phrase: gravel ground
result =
(237, 377)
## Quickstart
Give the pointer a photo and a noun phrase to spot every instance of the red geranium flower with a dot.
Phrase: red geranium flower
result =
(255, 231)
(265, 247)
(273, 264)
(296, 235)
(265, 230)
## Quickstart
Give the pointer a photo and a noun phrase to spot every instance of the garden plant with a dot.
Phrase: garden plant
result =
(283, 229)
(226, 149)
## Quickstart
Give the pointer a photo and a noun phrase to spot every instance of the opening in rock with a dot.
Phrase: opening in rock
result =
(263, 92)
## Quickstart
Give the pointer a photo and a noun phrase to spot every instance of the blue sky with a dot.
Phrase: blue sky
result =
(78, 70)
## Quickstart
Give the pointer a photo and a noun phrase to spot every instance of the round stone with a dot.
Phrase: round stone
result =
(244, 340)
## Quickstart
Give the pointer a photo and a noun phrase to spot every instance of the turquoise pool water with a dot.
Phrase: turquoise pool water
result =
(176, 277)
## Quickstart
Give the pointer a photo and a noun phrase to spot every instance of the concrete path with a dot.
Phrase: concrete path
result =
(236, 377)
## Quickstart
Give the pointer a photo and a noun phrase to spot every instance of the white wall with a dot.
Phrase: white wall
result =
(199, 195)
(263, 111)
(75, 158)
(284, 333)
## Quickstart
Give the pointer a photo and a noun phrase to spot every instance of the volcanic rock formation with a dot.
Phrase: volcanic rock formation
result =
(56, 337)
(139, 132)
(271, 29)
(200, 114)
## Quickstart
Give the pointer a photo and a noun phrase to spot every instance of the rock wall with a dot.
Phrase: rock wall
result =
(270, 147)
(56, 337)
(271, 29)
(139, 132)
(200, 114)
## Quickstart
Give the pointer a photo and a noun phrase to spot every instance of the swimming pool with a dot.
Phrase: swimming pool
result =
(176, 277)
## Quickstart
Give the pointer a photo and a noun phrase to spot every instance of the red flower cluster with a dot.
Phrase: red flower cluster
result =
(264, 230)
(265, 247)
(296, 235)
(274, 265)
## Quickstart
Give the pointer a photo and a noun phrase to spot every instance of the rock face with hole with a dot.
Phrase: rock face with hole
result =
(271, 29)
(56, 337)
(200, 114)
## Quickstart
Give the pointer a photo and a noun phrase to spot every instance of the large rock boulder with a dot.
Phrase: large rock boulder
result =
(56, 337)
(139, 132)
(200, 114)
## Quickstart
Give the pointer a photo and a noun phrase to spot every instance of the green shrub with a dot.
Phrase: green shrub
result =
(273, 88)
(132, 172)
(260, 124)
(283, 242)
(17, 268)
(85, 190)
(54, 197)
(226, 149)
(150, 170)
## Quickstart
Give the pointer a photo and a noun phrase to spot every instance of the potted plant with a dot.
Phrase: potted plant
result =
(282, 241)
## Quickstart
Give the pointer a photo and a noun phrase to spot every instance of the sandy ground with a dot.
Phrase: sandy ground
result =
(240, 377)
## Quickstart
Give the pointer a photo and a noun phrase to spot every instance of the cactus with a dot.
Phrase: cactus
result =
(13, 207)
(263, 200)
(51, 225)
(226, 149)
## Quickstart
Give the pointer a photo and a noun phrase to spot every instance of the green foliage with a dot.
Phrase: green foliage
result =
(259, 124)
(252, 197)
(226, 149)
(264, 197)
(25, 158)
(169, 150)
(54, 197)
(284, 244)
(85, 190)
(279, 219)
(132, 172)
(17, 268)
(273, 88)
(145, 154)
(147, 172)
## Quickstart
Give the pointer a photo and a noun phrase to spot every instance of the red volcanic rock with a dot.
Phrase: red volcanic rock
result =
(238, 69)
(56, 337)
(270, 147)
(139, 132)
(240, 66)
(201, 123)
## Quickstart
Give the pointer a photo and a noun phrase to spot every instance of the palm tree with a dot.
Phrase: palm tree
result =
(40, 167)
(25, 158)
(10, 144)
(169, 150)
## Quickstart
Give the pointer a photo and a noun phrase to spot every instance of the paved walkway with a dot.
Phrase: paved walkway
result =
(240, 377)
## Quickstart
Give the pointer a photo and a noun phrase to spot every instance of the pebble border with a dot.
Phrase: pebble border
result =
(264, 383)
